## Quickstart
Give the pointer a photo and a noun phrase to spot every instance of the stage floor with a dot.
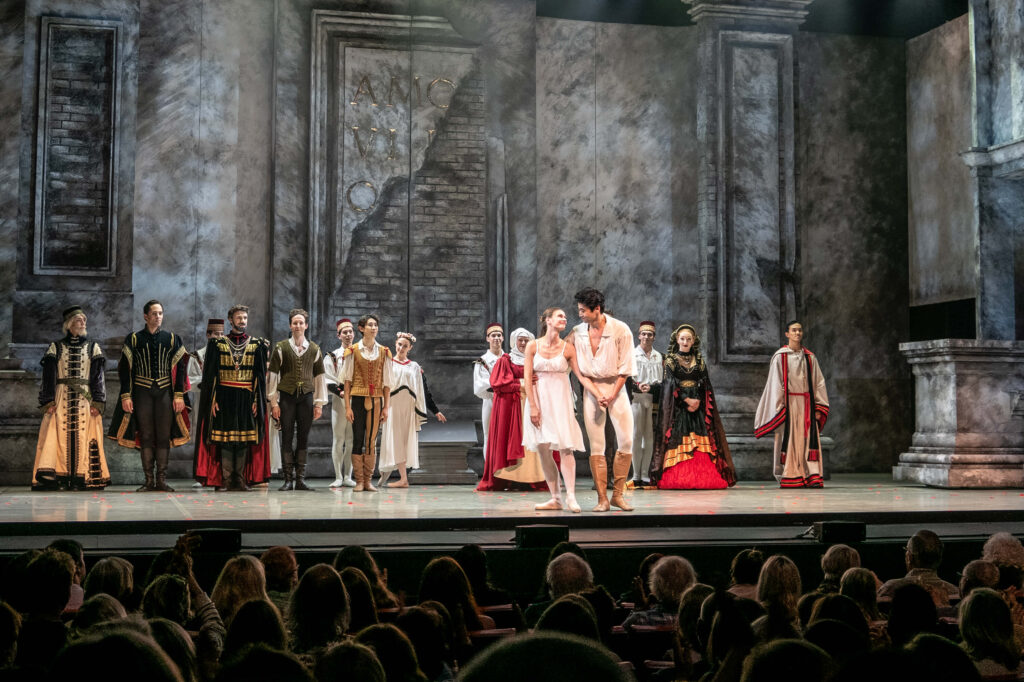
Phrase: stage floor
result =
(442, 516)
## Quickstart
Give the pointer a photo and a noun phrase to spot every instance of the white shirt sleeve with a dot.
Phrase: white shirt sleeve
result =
(320, 383)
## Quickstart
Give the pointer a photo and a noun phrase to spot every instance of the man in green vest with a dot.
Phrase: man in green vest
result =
(297, 391)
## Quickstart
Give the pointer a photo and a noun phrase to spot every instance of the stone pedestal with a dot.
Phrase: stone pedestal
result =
(969, 430)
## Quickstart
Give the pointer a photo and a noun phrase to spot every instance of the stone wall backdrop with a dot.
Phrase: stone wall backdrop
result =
(851, 219)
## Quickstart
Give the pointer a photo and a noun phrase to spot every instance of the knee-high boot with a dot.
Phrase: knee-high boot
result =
(300, 471)
(147, 471)
(620, 470)
(161, 471)
(599, 470)
(368, 462)
(288, 468)
(357, 471)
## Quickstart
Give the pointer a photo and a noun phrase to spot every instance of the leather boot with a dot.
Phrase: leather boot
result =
(620, 470)
(147, 471)
(161, 471)
(300, 471)
(227, 469)
(357, 471)
(288, 468)
(368, 462)
(238, 480)
(599, 470)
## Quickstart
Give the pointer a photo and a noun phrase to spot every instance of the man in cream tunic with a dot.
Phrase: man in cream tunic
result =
(482, 367)
(644, 389)
(604, 350)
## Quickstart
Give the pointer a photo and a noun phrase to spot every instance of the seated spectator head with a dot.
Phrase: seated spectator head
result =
(566, 547)
(841, 608)
(911, 613)
(861, 585)
(986, 627)
(14, 585)
(281, 568)
(979, 573)
(260, 662)
(10, 627)
(836, 560)
(1006, 552)
(746, 567)
(791, 660)
(241, 580)
(101, 608)
(644, 570)
(924, 550)
(568, 574)
(571, 614)
(670, 577)
(880, 665)
(178, 646)
(359, 557)
(114, 576)
(159, 565)
(73, 548)
(123, 655)
(167, 597)
(603, 603)
(689, 614)
(473, 561)
(256, 622)
(728, 630)
(425, 629)
(50, 576)
(937, 659)
(362, 608)
(446, 625)
(840, 641)
(318, 612)
(778, 586)
(805, 606)
(349, 661)
(544, 656)
(394, 651)
(443, 580)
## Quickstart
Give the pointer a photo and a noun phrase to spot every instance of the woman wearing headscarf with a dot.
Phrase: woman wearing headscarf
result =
(690, 450)
(507, 461)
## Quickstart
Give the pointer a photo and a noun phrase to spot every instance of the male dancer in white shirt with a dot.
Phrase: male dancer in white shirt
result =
(644, 389)
(482, 367)
(604, 350)
(341, 451)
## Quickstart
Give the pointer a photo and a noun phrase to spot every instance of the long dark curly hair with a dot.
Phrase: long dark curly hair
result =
(674, 358)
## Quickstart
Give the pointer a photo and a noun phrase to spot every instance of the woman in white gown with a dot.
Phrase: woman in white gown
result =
(410, 400)
(552, 425)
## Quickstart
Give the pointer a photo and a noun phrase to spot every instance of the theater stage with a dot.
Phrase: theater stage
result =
(444, 516)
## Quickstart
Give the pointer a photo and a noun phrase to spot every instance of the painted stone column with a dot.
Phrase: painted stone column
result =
(970, 414)
(746, 203)
(970, 393)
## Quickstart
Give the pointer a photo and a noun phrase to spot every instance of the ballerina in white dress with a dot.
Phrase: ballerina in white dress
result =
(552, 424)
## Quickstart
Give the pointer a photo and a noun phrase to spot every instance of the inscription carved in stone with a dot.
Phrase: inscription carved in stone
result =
(76, 224)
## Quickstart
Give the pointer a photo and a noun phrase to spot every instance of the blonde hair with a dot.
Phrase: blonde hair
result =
(548, 312)
(67, 323)
(242, 579)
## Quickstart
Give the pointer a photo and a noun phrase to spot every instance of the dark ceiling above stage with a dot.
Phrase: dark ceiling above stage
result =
(889, 18)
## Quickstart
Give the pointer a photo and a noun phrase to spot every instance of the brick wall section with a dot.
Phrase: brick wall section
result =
(447, 274)
(76, 217)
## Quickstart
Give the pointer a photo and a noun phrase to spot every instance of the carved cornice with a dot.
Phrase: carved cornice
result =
(1002, 161)
(782, 13)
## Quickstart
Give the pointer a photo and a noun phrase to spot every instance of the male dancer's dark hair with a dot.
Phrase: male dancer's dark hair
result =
(591, 298)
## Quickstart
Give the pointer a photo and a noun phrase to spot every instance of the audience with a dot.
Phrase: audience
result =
(923, 557)
(173, 631)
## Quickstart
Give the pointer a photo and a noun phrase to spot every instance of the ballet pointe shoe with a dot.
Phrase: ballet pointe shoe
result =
(620, 470)
(572, 505)
(357, 469)
(599, 470)
(551, 505)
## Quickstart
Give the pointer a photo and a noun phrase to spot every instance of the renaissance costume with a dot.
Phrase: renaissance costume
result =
(411, 404)
(482, 368)
(232, 449)
(296, 384)
(69, 453)
(691, 451)
(341, 428)
(368, 373)
(507, 461)
(153, 370)
(794, 406)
